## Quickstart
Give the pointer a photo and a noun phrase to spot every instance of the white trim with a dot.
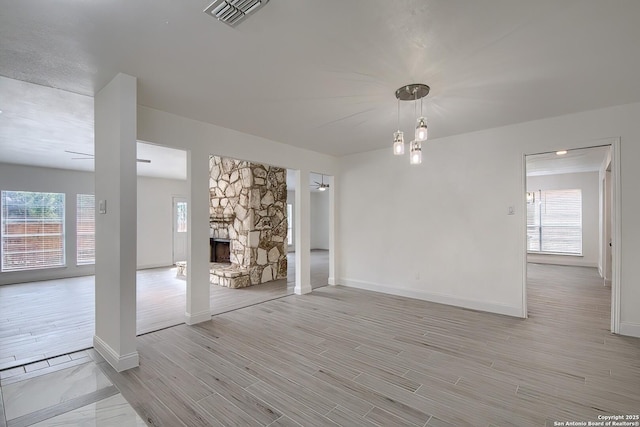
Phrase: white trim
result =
(193, 319)
(155, 265)
(630, 329)
(433, 297)
(616, 237)
(548, 259)
(118, 362)
(332, 281)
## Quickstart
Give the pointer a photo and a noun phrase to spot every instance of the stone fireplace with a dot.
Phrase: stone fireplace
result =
(249, 211)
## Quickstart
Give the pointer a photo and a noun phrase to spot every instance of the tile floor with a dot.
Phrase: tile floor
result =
(63, 391)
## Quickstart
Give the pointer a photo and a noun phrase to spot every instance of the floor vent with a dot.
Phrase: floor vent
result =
(233, 12)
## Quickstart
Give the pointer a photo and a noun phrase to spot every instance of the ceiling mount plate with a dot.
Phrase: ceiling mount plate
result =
(412, 92)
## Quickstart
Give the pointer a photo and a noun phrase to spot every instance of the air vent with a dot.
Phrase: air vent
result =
(233, 12)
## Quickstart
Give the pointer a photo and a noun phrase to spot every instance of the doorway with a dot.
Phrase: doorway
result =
(321, 191)
(180, 239)
(571, 228)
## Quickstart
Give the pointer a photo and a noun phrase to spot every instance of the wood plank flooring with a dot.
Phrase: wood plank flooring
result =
(342, 356)
(40, 320)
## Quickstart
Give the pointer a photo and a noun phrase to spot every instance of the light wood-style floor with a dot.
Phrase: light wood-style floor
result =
(40, 320)
(356, 358)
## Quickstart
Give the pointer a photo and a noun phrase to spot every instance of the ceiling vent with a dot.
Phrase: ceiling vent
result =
(233, 12)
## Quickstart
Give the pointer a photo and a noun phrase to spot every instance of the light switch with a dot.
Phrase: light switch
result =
(102, 206)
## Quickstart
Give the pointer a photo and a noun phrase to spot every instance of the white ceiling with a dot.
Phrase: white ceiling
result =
(322, 74)
(575, 161)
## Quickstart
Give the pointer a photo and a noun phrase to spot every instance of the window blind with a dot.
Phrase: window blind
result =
(86, 229)
(32, 230)
(554, 221)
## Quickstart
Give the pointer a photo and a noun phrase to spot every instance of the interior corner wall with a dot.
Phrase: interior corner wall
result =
(588, 183)
(441, 231)
(39, 179)
(320, 220)
(155, 220)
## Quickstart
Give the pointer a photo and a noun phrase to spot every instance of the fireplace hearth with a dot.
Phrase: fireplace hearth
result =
(220, 250)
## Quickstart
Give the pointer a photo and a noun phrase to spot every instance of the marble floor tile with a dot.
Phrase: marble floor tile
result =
(41, 392)
(112, 411)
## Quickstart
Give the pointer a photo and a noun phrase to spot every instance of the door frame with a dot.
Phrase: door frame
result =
(616, 231)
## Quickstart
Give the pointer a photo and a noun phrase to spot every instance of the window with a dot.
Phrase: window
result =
(181, 217)
(554, 221)
(32, 230)
(289, 224)
(86, 229)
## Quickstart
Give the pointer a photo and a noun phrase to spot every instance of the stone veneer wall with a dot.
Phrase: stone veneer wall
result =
(248, 207)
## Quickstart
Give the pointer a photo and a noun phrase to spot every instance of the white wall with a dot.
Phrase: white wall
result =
(588, 183)
(155, 220)
(29, 178)
(441, 231)
(320, 219)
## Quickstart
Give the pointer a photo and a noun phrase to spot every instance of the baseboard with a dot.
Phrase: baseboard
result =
(332, 281)
(433, 297)
(563, 260)
(630, 329)
(118, 362)
(158, 265)
(195, 318)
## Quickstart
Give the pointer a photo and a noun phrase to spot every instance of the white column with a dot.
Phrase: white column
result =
(303, 233)
(198, 288)
(116, 188)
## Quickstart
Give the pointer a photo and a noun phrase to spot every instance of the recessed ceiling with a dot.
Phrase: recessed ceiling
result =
(574, 161)
(40, 125)
(322, 74)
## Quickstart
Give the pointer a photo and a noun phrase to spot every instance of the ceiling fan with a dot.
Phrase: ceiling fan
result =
(320, 186)
(89, 156)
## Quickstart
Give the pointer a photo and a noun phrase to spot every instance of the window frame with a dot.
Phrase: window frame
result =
(535, 198)
(5, 219)
(88, 261)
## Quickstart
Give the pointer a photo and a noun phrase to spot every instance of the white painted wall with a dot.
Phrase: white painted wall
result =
(588, 183)
(72, 183)
(320, 219)
(155, 220)
(441, 231)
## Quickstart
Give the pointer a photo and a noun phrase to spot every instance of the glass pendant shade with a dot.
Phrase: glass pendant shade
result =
(398, 143)
(415, 154)
(421, 129)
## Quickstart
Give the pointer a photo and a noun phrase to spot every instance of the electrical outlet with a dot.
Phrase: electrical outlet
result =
(511, 210)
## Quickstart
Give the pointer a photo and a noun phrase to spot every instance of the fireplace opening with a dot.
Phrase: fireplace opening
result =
(220, 250)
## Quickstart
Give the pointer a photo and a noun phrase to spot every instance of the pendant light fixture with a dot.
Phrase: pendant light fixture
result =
(398, 137)
(412, 92)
